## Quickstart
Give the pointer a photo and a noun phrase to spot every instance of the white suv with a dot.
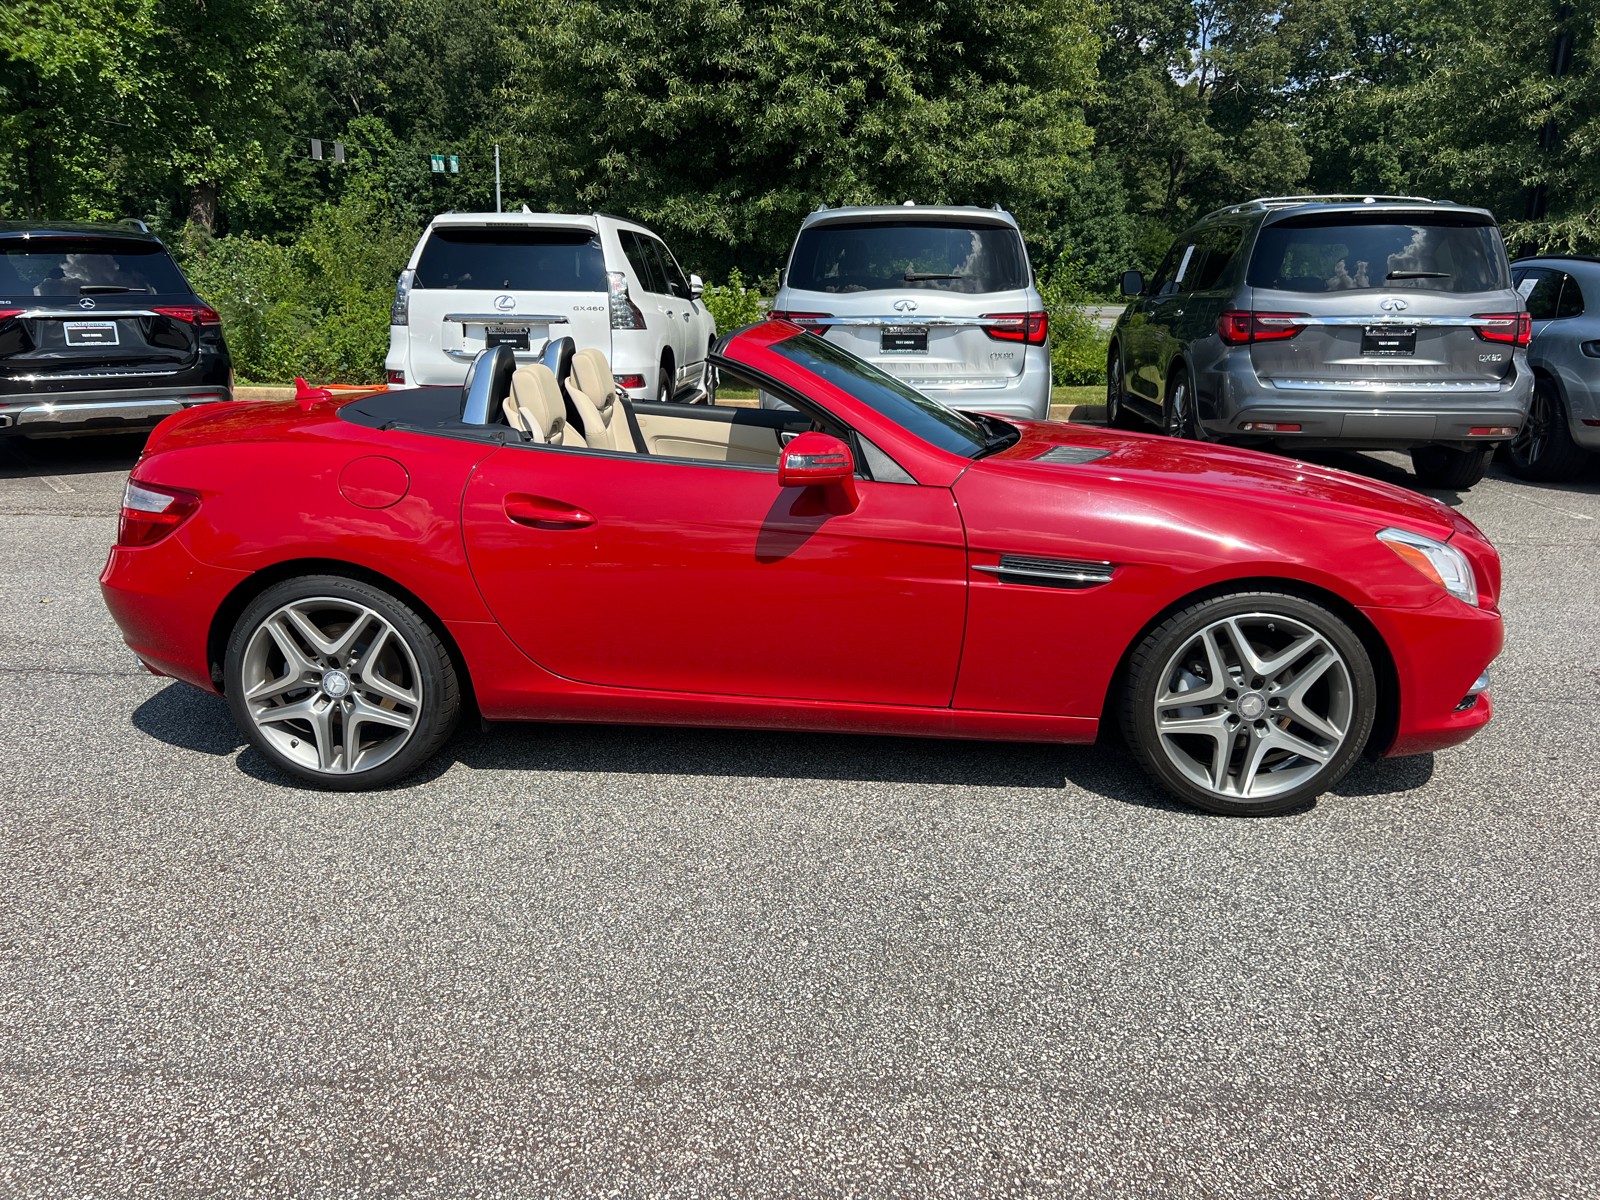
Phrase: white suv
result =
(940, 297)
(522, 279)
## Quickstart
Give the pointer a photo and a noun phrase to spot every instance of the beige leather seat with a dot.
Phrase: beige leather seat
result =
(535, 406)
(594, 393)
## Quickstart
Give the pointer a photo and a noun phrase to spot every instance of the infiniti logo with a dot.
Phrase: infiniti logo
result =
(505, 303)
(905, 306)
(86, 302)
(1394, 306)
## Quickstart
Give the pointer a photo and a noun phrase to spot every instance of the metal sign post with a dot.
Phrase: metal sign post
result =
(497, 177)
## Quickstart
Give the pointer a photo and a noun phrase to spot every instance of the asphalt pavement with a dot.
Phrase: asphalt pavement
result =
(590, 961)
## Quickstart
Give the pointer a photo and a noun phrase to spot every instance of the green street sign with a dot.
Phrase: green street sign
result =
(437, 162)
(455, 165)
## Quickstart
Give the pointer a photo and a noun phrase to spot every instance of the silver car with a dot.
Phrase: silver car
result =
(940, 297)
(1563, 427)
(1357, 322)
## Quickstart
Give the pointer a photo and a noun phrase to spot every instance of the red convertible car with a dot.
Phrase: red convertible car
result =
(536, 547)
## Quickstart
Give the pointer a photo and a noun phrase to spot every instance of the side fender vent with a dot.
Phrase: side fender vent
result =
(1049, 572)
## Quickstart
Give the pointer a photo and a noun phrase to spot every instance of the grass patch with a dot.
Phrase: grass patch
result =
(1093, 393)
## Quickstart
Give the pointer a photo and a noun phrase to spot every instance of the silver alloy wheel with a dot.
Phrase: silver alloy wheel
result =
(332, 684)
(1529, 445)
(1254, 705)
(1172, 417)
(1114, 392)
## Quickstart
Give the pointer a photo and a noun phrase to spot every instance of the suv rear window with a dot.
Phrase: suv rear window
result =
(873, 256)
(518, 260)
(87, 267)
(1386, 250)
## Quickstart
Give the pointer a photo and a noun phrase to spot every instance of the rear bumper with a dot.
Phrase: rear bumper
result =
(1025, 396)
(1439, 654)
(163, 600)
(1361, 417)
(109, 410)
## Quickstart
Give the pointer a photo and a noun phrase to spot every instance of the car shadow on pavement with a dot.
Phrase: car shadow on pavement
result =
(21, 458)
(186, 717)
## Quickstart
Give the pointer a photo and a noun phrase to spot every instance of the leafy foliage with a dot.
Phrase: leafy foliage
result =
(734, 304)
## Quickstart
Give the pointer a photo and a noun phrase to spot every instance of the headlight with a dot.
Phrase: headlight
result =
(1443, 564)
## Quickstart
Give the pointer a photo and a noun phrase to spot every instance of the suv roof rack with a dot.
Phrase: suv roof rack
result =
(1338, 198)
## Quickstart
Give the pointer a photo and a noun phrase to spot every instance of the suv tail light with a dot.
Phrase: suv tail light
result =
(1029, 328)
(396, 377)
(150, 512)
(625, 313)
(1241, 328)
(400, 310)
(194, 314)
(7, 313)
(808, 319)
(1514, 328)
(634, 382)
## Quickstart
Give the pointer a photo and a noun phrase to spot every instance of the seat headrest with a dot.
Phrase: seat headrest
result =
(538, 395)
(593, 375)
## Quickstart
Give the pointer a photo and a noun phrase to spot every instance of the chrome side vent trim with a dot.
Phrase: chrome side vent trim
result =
(1049, 572)
(1071, 455)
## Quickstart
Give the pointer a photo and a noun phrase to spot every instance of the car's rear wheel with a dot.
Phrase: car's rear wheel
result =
(1249, 704)
(708, 383)
(1117, 414)
(664, 390)
(1543, 450)
(1178, 417)
(339, 683)
(1447, 467)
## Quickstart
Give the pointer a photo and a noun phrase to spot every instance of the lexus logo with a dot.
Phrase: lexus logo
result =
(505, 303)
(905, 306)
(86, 302)
(1394, 306)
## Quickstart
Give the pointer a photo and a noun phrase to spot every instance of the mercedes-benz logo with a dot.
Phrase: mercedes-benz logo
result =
(86, 302)
(905, 306)
(505, 303)
(1393, 305)
(336, 684)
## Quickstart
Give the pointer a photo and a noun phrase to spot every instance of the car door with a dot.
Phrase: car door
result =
(699, 577)
(678, 308)
(1149, 325)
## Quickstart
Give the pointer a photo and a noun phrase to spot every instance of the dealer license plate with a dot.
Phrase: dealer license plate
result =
(91, 333)
(1388, 339)
(517, 341)
(904, 339)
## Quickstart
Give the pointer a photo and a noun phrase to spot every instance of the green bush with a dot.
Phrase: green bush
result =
(733, 304)
(318, 307)
(1078, 347)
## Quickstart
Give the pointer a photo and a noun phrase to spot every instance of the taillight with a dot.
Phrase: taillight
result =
(808, 319)
(1241, 328)
(1514, 328)
(396, 376)
(197, 314)
(150, 512)
(400, 310)
(625, 313)
(629, 381)
(1029, 328)
(7, 313)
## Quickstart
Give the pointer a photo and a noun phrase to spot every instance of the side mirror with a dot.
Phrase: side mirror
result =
(696, 287)
(1132, 283)
(815, 460)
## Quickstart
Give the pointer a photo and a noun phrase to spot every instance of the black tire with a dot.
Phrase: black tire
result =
(708, 382)
(1117, 414)
(1543, 450)
(1178, 416)
(424, 664)
(1349, 684)
(1446, 467)
(665, 393)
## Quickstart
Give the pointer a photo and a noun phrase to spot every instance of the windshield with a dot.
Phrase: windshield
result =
(883, 393)
(946, 256)
(519, 260)
(1344, 254)
(75, 267)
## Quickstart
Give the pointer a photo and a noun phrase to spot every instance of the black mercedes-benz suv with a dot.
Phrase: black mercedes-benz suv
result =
(100, 332)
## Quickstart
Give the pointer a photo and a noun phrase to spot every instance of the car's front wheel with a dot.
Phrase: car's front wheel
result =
(1249, 704)
(340, 683)
(1543, 450)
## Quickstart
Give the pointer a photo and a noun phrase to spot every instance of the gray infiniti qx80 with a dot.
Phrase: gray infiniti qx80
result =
(1358, 322)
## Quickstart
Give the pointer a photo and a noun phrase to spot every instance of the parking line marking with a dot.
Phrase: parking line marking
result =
(57, 484)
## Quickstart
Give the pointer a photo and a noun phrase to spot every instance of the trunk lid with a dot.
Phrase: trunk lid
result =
(118, 338)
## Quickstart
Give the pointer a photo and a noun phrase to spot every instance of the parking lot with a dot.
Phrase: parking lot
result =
(572, 961)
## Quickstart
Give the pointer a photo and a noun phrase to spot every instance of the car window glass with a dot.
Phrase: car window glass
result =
(87, 267)
(1544, 294)
(676, 283)
(1349, 253)
(1571, 302)
(1164, 272)
(948, 256)
(642, 261)
(884, 394)
(522, 260)
(1220, 247)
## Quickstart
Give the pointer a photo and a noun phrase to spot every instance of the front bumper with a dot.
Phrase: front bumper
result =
(117, 410)
(1440, 655)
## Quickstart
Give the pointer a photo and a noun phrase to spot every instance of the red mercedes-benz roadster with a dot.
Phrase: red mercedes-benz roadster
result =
(351, 573)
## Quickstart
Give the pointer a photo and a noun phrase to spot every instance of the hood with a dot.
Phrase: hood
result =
(1172, 465)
